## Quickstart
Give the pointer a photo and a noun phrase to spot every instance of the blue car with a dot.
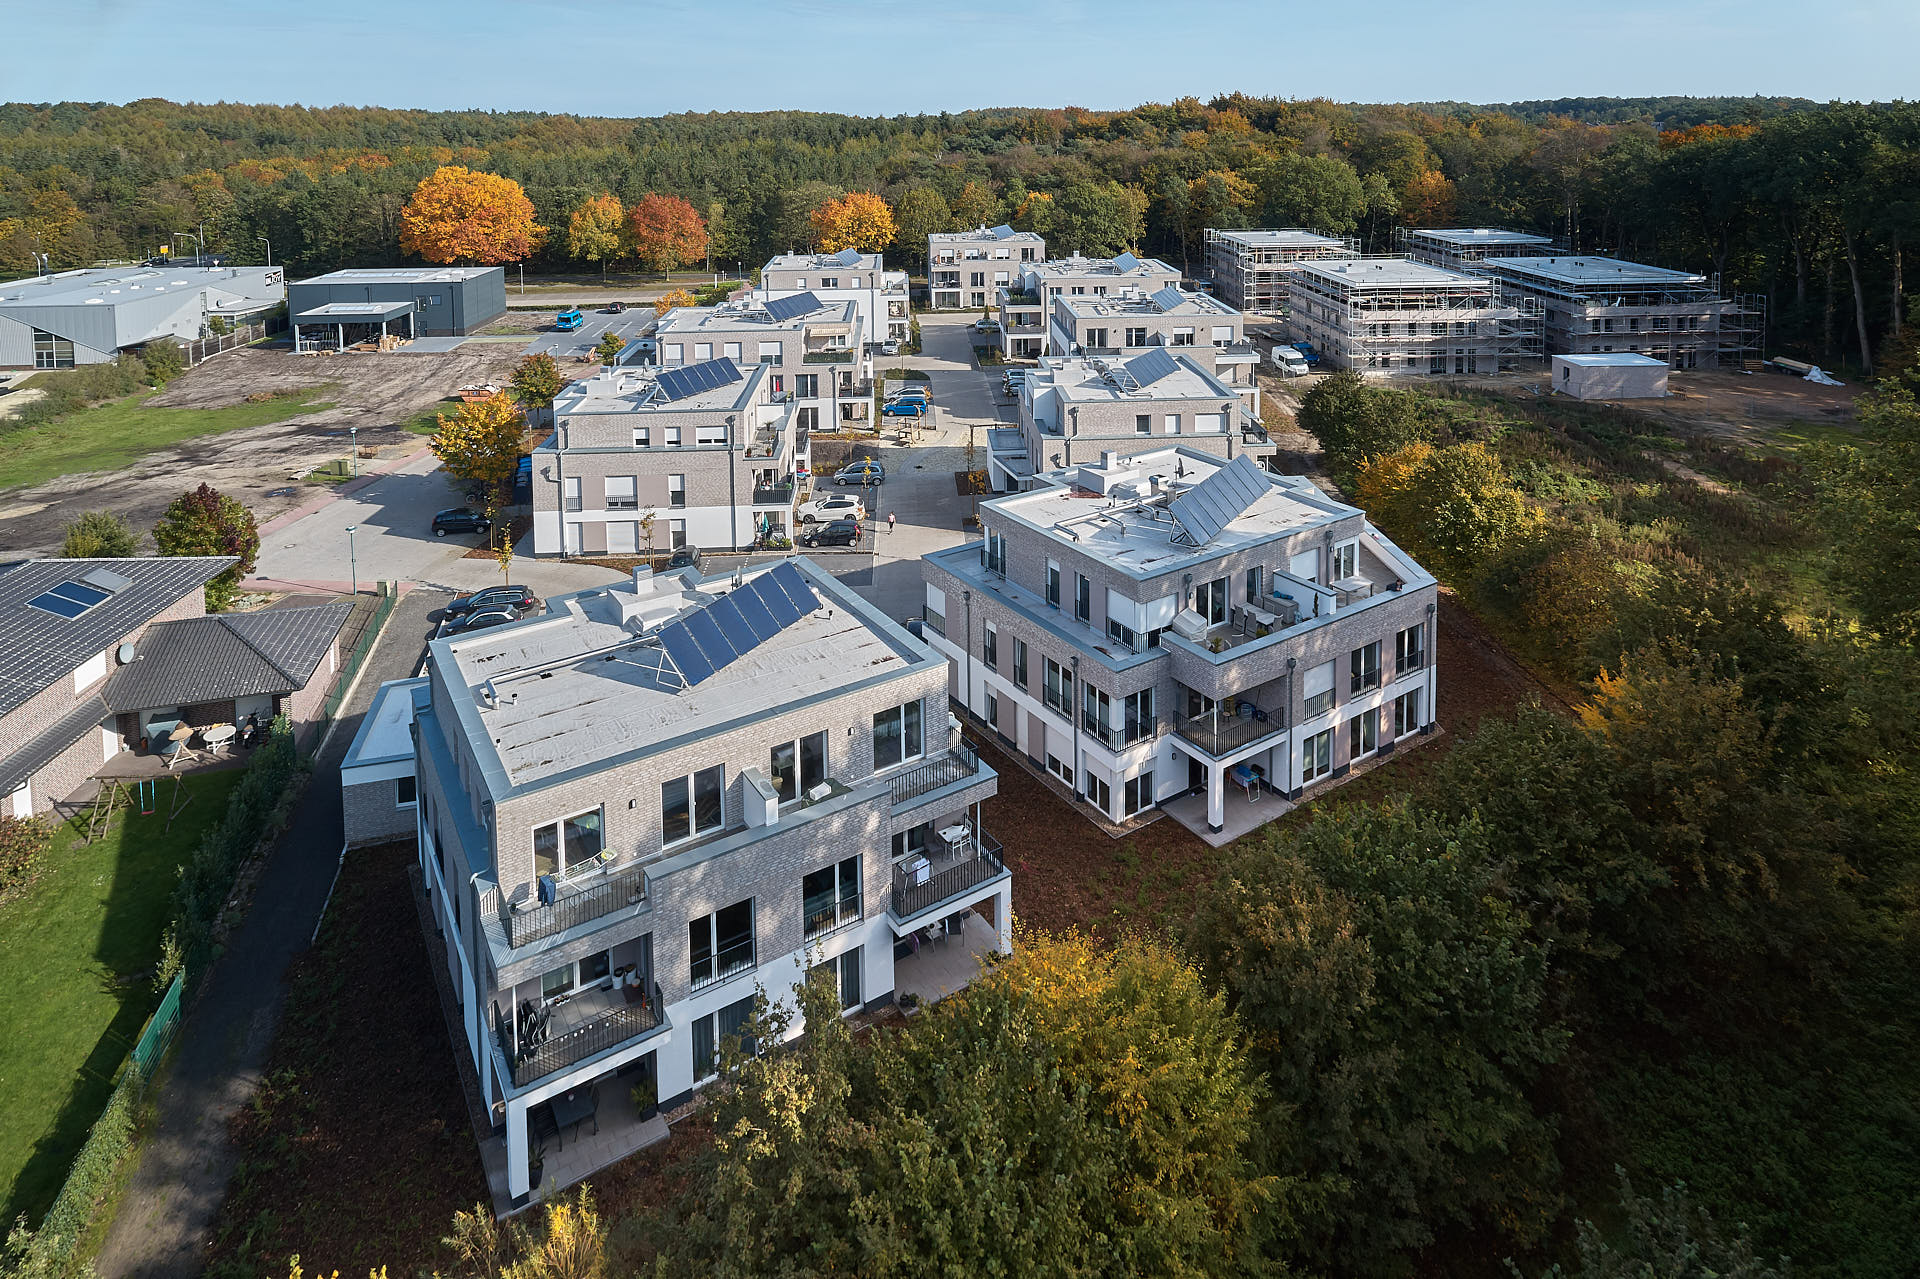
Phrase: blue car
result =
(904, 408)
(569, 320)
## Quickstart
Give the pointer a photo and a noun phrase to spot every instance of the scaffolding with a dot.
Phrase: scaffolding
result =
(1250, 268)
(1467, 248)
(1597, 305)
(1402, 315)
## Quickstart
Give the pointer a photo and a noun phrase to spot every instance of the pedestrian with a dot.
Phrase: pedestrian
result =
(890, 519)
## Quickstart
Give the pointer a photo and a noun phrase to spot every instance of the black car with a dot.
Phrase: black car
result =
(616, 308)
(520, 599)
(838, 533)
(685, 557)
(480, 621)
(461, 519)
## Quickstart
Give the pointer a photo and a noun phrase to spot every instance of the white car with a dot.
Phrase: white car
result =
(833, 506)
(889, 347)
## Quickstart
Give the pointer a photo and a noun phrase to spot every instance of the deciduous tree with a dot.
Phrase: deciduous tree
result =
(976, 205)
(481, 442)
(597, 231)
(667, 232)
(458, 215)
(207, 522)
(1870, 505)
(1452, 507)
(99, 535)
(1353, 420)
(670, 299)
(858, 220)
(608, 348)
(536, 380)
(918, 213)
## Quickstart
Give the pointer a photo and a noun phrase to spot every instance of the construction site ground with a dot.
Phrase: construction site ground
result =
(376, 393)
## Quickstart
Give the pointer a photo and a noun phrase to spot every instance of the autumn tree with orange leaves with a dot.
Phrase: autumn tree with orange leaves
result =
(666, 231)
(459, 215)
(858, 220)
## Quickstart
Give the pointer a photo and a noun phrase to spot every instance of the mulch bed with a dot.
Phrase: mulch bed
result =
(356, 1150)
(521, 529)
(970, 483)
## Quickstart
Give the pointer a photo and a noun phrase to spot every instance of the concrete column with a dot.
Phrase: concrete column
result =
(1003, 921)
(1216, 798)
(519, 1176)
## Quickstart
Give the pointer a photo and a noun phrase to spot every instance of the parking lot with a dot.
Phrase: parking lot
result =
(595, 324)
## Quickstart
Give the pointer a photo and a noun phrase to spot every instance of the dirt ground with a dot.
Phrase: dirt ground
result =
(376, 393)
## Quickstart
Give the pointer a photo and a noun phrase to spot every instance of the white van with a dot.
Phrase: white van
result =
(1288, 361)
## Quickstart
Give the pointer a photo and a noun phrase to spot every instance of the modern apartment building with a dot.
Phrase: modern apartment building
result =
(653, 801)
(1073, 410)
(1394, 315)
(1123, 325)
(846, 276)
(648, 459)
(1467, 248)
(1593, 305)
(818, 350)
(1249, 268)
(1164, 623)
(1024, 304)
(965, 268)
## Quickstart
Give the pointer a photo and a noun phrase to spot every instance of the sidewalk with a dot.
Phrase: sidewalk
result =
(167, 1214)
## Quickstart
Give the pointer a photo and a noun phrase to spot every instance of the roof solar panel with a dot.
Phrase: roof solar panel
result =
(692, 379)
(795, 586)
(106, 579)
(1205, 511)
(794, 305)
(1125, 262)
(1002, 231)
(754, 611)
(80, 593)
(1168, 297)
(58, 605)
(785, 611)
(726, 615)
(706, 633)
(1151, 367)
(678, 641)
(847, 257)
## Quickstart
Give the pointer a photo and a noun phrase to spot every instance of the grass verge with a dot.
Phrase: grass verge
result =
(113, 435)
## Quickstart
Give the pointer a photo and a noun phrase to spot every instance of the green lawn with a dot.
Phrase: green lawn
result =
(427, 421)
(111, 435)
(76, 953)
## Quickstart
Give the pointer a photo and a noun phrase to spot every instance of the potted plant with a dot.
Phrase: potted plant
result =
(646, 1099)
(537, 1164)
(909, 1004)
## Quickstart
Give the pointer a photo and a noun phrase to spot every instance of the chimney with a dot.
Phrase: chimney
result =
(643, 579)
(1109, 459)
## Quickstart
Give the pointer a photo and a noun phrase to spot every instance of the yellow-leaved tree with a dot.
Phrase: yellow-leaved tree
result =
(1451, 507)
(667, 301)
(858, 220)
(597, 231)
(459, 215)
(481, 442)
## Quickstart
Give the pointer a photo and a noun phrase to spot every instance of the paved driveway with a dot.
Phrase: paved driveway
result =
(565, 346)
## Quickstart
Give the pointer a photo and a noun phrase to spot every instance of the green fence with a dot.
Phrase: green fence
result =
(389, 596)
(161, 1028)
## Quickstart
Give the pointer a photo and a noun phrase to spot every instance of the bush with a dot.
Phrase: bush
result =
(1353, 420)
(164, 359)
(22, 841)
(49, 1251)
(71, 390)
(98, 535)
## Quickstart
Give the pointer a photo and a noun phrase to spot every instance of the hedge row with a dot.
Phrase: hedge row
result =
(49, 1251)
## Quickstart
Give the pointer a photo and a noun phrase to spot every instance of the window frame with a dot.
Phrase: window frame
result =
(714, 950)
(847, 904)
(563, 863)
(1363, 669)
(692, 784)
(915, 711)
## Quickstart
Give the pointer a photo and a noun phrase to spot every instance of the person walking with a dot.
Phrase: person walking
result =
(890, 519)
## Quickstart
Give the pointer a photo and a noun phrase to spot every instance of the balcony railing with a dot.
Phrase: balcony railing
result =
(736, 958)
(581, 902)
(909, 898)
(957, 765)
(609, 1030)
(1229, 732)
(936, 622)
(772, 495)
(829, 357)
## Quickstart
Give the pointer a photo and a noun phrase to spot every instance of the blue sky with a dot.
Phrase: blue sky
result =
(873, 57)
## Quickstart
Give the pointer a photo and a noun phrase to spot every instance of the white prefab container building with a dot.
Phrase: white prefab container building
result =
(1617, 375)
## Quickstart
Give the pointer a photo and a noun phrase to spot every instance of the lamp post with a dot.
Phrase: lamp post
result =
(353, 564)
(269, 243)
(353, 437)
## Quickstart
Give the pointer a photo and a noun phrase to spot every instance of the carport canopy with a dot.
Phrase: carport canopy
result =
(355, 312)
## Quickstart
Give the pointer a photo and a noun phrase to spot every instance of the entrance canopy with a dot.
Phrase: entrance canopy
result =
(355, 312)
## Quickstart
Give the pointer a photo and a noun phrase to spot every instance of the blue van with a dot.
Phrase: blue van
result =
(569, 320)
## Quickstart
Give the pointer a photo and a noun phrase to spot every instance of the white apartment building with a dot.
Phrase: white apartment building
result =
(1249, 268)
(1167, 628)
(1024, 304)
(1123, 325)
(638, 811)
(817, 350)
(966, 268)
(846, 276)
(1386, 316)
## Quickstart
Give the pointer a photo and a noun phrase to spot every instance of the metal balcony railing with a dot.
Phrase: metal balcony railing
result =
(956, 765)
(986, 861)
(609, 1030)
(580, 902)
(772, 494)
(829, 357)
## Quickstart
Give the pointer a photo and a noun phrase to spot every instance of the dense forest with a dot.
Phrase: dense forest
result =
(1806, 205)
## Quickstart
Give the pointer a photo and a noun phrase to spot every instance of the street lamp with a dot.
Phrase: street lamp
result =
(353, 564)
(269, 243)
(353, 436)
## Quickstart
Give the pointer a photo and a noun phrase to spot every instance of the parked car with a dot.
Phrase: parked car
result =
(905, 408)
(862, 473)
(569, 320)
(889, 347)
(986, 326)
(616, 308)
(911, 391)
(485, 619)
(838, 533)
(520, 599)
(685, 557)
(460, 519)
(830, 507)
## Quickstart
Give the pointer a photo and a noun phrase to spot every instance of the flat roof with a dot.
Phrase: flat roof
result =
(386, 731)
(636, 389)
(1612, 359)
(752, 314)
(403, 275)
(1466, 236)
(1121, 267)
(589, 681)
(97, 286)
(345, 312)
(823, 262)
(1292, 238)
(1388, 272)
(1156, 303)
(1134, 533)
(1593, 272)
(992, 235)
(1083, 381)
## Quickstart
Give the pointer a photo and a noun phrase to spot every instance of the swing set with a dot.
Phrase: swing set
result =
(142, 796)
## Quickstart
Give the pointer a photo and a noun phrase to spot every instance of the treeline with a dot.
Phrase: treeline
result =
(1809, 206)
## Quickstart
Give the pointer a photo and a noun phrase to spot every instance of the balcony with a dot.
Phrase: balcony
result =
(562, 1033)
(829, 357)
(580, 900)
(773, 495)
(947, 878)
(960, 764)
(1222, 733)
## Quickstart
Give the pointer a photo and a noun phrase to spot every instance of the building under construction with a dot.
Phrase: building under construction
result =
(1391, 315)
(1250, 268)
(1591, 305)
(1466, 248)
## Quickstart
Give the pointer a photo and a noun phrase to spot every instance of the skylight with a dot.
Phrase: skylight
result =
(69, 599)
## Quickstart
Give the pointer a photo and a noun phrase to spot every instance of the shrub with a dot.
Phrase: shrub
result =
(98, 535)
(22, 841)
(164, 359)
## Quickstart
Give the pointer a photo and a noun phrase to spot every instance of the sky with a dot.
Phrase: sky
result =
(875, 57)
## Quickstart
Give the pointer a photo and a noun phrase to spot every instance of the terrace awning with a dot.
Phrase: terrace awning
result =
(354, 312)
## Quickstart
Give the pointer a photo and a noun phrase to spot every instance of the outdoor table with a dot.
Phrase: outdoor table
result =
(956, 837)
(218, 735)
(573, 1108)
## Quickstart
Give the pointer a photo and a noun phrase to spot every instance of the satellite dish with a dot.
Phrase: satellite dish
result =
(123, 654)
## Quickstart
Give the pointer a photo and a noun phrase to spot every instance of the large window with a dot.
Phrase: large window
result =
(1053, 584)
(1059, 693)
(1363, 668)
(1346, 562)
(1139, 793)
(568, 844)
(1140, 721)
(830, 896)
(898, 735)
(1410, 649)
(843, 972)
(1406, 713)
(721, 944)
(996, 548)
(912, 842)
(1363, 733)
(713, 1030)
(692, 805)
(1082, 598)
(622, 493)
(51, 351)
(1097, 715)
(1316, 756)
(1019, 663)
(990, 647)
(798, 767)
(1210, 601)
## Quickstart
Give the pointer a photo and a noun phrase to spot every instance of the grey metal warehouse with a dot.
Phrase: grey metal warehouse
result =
(89, 316)
(344, 307)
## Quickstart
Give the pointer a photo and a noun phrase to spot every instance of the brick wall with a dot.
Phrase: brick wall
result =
(371, 816)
